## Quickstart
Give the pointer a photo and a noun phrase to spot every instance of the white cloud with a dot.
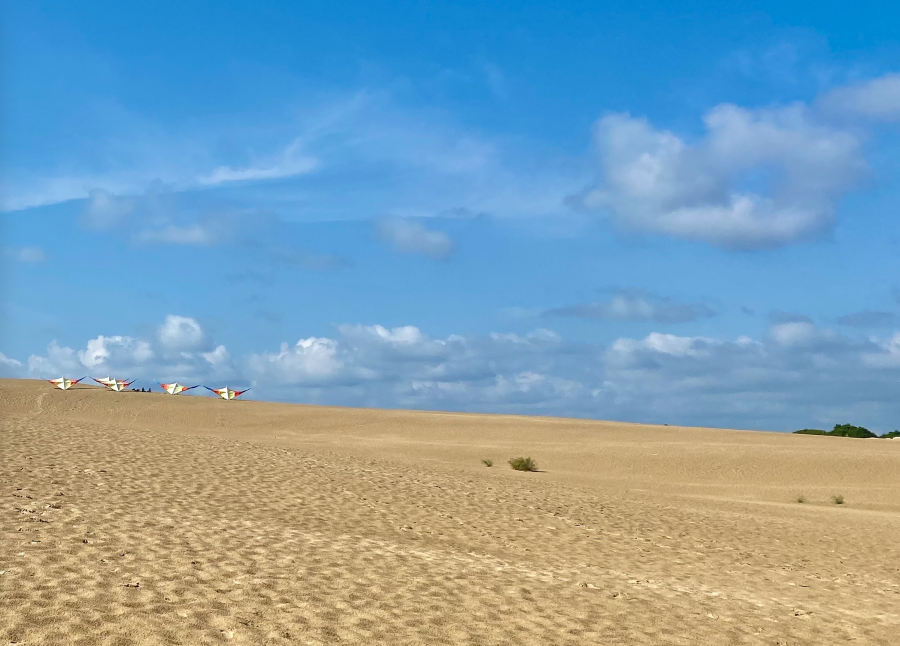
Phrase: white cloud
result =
(25, 254)
(182, 334)
(877, 98)
(290, 163)
(311, 360)
(794, 333)
(59, 361)
(179, 350)
(886, 354)
(759, 178)
(410, 236)
(115, 350)
(657, 343)
(635, 305)
(10, 367)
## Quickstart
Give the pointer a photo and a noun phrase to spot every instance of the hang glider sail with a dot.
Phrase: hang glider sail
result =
(176, 388)
(120, 384)
(64, 384)
(105, 381)
(226, 392)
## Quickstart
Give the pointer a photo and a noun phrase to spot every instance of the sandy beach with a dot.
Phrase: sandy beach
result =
(135, 518)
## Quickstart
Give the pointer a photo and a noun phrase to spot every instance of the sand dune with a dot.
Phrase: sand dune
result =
(134, 518)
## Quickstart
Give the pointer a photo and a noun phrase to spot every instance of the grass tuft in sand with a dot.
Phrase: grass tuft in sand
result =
(523, 464)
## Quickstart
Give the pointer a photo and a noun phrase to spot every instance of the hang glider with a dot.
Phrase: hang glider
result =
(115, 384)
(64, 384)
(120, 385)
(226, 392)
(176, 388)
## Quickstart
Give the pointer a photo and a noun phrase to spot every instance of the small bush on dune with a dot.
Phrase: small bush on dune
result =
(837, 499)
(523, 464)
(488, 463)
(801, 498)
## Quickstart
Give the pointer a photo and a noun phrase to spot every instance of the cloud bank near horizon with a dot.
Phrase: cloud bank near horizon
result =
(796, 375)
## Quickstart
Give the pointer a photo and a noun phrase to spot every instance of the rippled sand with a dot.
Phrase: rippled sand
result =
(133, 518)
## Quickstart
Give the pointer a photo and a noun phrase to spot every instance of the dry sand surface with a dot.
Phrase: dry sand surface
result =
(132, 518)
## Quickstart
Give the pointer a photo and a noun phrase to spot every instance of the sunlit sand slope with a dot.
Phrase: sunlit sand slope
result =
(133, 518)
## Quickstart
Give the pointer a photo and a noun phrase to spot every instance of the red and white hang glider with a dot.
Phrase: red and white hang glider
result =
(120, 384)
(176, 388)
(226, 392)
(64, 384)
(115, 384)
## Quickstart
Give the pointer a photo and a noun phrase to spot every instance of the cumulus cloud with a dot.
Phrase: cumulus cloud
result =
(758, 178)
(635, 306)
(795, 375)
(182, 334)
(180, 350)
(411, 236)
(877, 98)
(312, 360)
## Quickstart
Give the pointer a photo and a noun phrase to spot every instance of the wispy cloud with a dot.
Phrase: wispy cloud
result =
(25, 254)
(869, 319)
(637, 305)
(290, 163)
(877, 98)
(194, 234)
(349, 158)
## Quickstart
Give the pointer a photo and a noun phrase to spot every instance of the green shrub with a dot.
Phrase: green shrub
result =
(523, 464)
(488, 463)
(837, 499)
(848, 430)
(892, 434)
(841, 430)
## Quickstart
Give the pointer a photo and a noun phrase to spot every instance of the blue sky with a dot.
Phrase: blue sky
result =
(656, 212)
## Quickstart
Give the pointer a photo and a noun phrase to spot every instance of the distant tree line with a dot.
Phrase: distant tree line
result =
(847, 430)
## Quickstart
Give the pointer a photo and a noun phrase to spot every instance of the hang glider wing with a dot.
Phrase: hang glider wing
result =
(226, 392)
(64, 384)
(104, 381)
(175, 388)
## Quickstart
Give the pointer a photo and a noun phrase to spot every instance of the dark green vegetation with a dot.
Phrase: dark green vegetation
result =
(488, 463)
(847, 430)
(523, 464)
